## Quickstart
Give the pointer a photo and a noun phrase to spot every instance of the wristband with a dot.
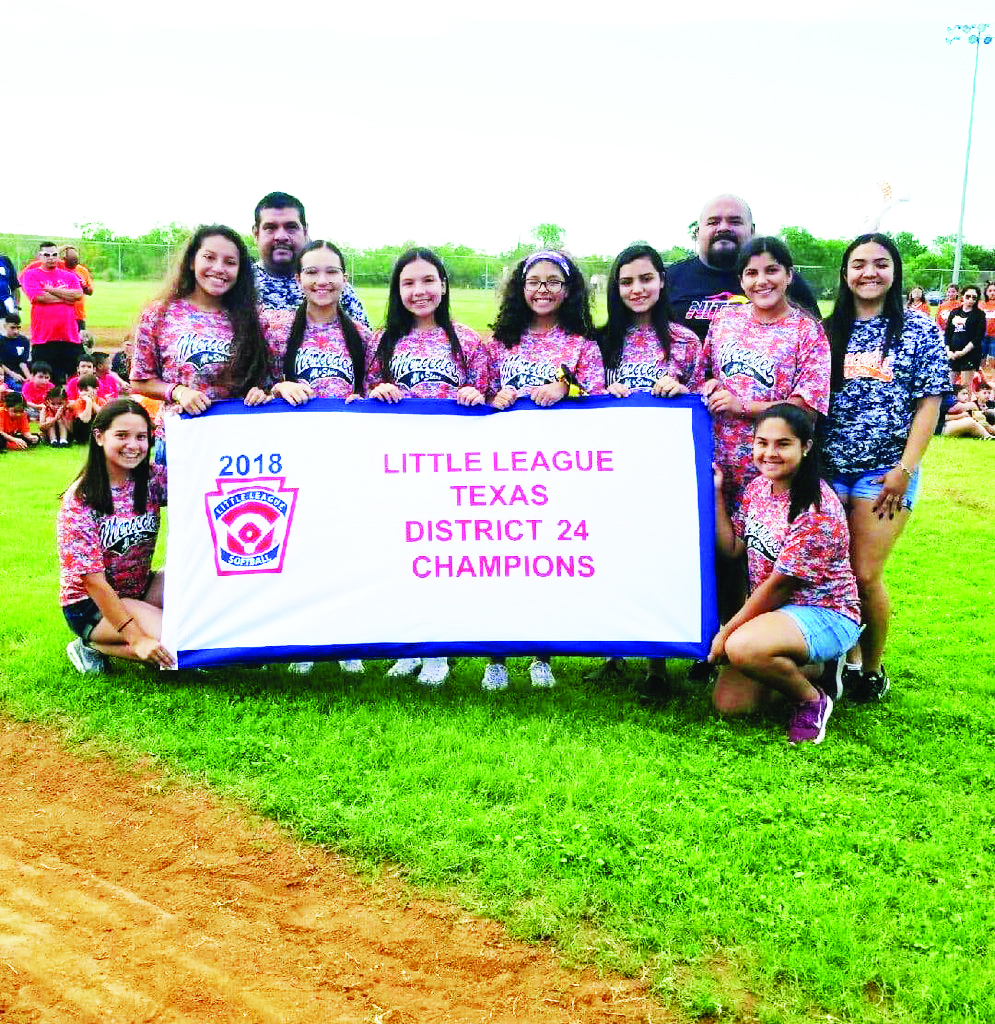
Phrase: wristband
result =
(169, 392)
(905, 469)
(125, 623)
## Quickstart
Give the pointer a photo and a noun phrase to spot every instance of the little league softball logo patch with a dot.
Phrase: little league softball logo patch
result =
(250, 523)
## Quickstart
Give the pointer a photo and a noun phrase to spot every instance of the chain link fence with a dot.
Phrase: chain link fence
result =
(145, 261)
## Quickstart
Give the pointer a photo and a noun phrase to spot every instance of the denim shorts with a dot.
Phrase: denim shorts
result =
(82, 617)
(868, 485)
(828, 633)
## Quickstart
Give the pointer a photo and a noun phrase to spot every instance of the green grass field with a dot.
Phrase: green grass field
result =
(745, 880)
(114, 307)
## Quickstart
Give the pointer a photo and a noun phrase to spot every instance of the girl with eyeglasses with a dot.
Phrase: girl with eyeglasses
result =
(542, 349)
(319, 351)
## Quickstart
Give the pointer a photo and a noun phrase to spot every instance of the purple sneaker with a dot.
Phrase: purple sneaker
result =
(808, 723)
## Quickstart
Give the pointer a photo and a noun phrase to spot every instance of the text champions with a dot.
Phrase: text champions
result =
(445, 563)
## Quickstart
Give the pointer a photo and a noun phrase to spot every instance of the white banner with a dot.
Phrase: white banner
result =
(365, 531)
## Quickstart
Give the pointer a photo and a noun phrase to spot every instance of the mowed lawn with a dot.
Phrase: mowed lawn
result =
(746, 881)
(112, 310)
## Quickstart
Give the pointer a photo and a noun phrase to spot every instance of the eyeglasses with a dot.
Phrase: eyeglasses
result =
(553, 285)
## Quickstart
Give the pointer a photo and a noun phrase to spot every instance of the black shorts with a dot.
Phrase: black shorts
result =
(83, 617)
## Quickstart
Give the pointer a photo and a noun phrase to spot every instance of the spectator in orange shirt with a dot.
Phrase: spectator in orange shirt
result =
(952, 301)
(14, 427)
(70, 260)
(916, 299)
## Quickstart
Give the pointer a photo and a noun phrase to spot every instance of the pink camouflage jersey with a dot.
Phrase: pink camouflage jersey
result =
(119, 545)
(323, 359)
(185, 345)
(535, 360)
(643, 363)
(761, 363)
(423, 366)
(815, 548)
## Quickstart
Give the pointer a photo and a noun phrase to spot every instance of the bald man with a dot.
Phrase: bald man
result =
(701, 286)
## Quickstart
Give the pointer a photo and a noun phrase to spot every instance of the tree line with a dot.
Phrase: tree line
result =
(111, 256)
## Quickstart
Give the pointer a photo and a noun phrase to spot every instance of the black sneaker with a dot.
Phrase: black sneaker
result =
(655, 690)
(611, 672)
(847, 681)
(700, 671)
(870, 688)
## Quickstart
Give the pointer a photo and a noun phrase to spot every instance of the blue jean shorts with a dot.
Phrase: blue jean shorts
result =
(828, 633)
(83, 617)
(868, 485)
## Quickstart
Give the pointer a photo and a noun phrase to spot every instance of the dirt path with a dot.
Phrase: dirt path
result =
(124, 898)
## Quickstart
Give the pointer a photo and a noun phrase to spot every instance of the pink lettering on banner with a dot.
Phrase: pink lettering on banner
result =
(498, 530)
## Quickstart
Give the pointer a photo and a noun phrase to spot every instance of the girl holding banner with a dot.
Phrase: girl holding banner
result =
(542, 347)
(643, 349)
(106, 533)
(203, 341)
(423, 353)
(320, 351)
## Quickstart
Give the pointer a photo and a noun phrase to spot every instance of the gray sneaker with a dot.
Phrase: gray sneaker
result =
(85, 659)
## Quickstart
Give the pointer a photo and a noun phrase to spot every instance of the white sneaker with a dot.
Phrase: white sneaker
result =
(300, 668)
(541, 674)
(495, 677)
(403, 667)
(434, 671)
(354, 666)
(85, 659)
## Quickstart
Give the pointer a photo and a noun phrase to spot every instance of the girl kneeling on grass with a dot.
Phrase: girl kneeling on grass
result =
(542, 346)
(803, 607)
(423, 353)
(106, 532)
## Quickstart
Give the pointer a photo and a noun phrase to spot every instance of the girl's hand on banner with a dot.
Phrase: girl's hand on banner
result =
(505, 398)
(294, 392)
(469, 396)
(387, 393)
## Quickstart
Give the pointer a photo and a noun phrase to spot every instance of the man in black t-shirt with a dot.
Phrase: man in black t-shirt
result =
(701, 286)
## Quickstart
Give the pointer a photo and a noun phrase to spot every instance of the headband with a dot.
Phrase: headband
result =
(550, 255)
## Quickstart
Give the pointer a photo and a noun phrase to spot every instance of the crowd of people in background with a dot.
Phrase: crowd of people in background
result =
(820, 426)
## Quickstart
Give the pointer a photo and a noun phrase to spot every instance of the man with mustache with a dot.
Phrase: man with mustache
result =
(701, 286)
(280, 232)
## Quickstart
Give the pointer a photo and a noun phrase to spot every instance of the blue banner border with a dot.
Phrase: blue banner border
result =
(701, 431)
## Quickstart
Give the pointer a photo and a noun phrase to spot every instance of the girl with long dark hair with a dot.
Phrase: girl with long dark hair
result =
(202, 340)
(423, 353)
(643, 349)
(321, 352)
(889, 370)
(803, 608)
(106, 532)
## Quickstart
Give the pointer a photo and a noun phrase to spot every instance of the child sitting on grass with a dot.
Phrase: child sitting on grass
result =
(36, 387)
(53, 423)
(14, 427)
(84, 409)
(15, 351)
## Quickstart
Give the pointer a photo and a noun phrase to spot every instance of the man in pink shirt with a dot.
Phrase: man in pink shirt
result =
(53, 292)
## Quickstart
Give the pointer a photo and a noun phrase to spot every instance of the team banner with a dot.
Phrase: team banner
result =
(375, 531)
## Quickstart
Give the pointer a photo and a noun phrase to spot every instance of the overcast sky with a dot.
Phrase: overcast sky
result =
(472, 123)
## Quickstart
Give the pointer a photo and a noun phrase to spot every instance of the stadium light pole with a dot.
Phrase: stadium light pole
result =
(975, 35)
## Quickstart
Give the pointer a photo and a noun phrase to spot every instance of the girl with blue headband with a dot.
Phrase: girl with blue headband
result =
(542, 349)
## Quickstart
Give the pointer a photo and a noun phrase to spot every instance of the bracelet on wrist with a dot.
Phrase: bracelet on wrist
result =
(905, 469)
